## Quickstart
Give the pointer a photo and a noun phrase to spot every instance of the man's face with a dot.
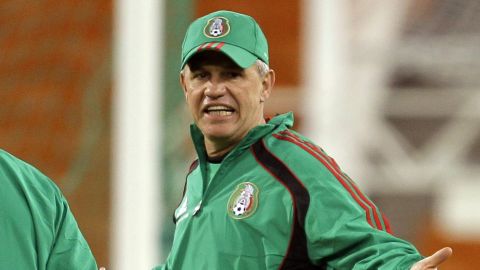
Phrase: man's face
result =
(225, 100)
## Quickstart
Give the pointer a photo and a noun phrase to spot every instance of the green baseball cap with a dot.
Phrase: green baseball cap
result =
(237, 35)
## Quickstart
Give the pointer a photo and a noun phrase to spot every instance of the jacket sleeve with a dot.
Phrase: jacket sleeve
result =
(345, 230)
(70, 249)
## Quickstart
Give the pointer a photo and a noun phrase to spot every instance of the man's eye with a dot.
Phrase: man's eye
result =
(232, 74)
(200, 75)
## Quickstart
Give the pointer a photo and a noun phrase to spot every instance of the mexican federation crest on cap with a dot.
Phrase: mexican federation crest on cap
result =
(244, 201)
(216, 27)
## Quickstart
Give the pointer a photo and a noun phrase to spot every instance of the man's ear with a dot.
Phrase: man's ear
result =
(267, 83)
(182, 83)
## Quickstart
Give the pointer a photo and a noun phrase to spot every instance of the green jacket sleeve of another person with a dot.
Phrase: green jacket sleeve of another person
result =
(37, 228)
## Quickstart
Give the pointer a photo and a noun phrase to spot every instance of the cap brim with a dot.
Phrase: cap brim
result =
(240, 56)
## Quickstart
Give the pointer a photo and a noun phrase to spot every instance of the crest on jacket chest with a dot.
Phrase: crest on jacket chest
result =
(244, 201)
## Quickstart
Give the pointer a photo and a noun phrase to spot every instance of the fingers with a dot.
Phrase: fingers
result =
(433, 261)
(440, 256)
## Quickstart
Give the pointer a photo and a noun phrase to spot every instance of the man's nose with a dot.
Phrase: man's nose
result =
(215, 88)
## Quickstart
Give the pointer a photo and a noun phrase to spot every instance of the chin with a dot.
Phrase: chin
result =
(218, 129)
(219, 132)
(218, 135)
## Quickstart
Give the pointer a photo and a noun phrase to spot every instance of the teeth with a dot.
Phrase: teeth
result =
(220, 113)
(219, 108)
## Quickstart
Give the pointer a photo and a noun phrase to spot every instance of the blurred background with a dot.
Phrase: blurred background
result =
(390, 89)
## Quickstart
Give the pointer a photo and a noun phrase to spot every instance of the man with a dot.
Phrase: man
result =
(261, 196)
(37, 228)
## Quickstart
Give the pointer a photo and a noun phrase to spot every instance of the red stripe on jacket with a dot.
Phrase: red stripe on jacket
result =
(362, 201)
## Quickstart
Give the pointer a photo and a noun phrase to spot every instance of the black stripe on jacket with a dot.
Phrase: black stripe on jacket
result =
(297, 252)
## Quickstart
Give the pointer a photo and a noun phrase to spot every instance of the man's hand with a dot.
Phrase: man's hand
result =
(433, 261)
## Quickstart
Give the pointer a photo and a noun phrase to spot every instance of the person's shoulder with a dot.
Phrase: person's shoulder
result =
(22, 175)
(306, 160)
(295, 148)
(9, 160)
(13, 165)
(6, 157)
(291, 140)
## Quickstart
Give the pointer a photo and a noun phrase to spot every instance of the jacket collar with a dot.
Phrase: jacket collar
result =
(280, 121)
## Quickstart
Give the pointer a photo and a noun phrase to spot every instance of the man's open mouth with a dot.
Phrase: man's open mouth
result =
(219, 110)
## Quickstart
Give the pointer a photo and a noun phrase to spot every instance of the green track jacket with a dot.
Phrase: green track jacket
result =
(37, 228)
(279, 202)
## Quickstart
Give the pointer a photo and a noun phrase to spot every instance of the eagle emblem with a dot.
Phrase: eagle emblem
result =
(216, 27)
(244, 201)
